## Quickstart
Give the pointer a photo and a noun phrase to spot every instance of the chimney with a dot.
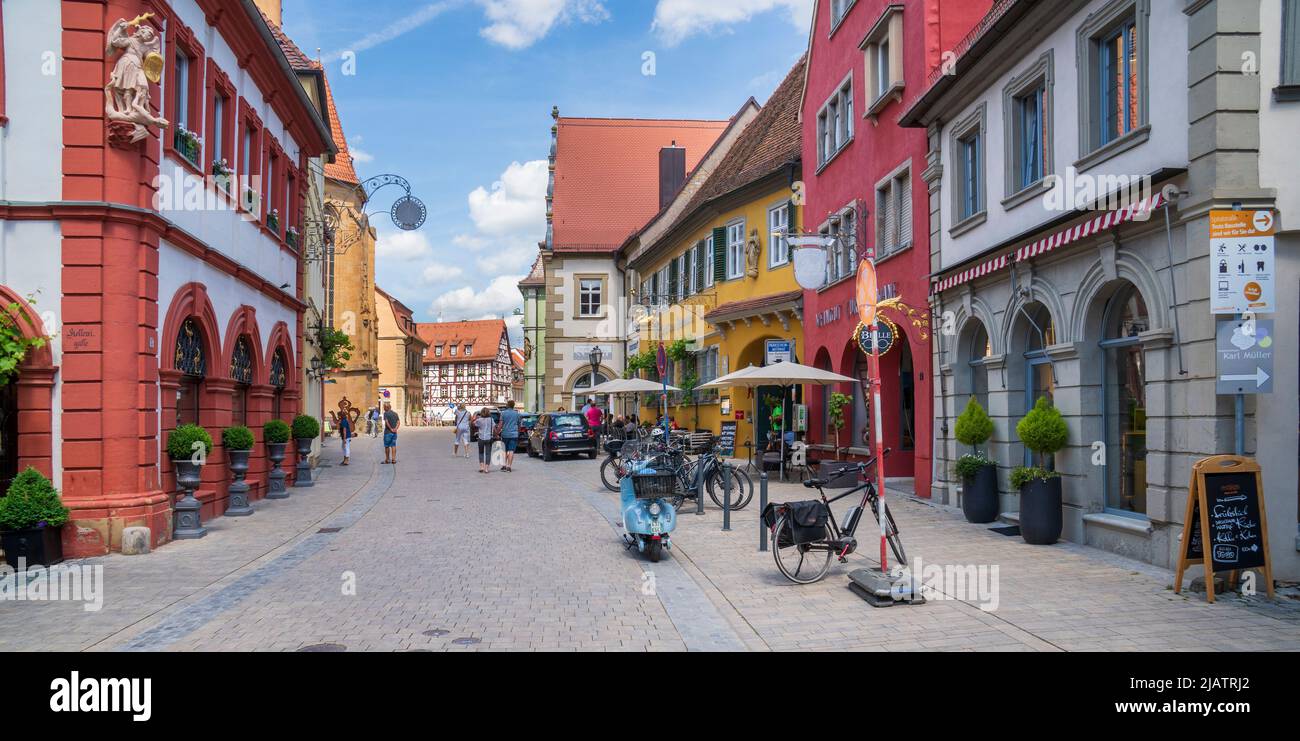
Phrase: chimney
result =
(672, 173)
(272, 10)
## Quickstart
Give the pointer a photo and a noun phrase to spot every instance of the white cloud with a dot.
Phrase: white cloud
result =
(518, 24)
(403, 246)
(500, 298)
(437, 272)
(400, 27)
(360, 156)
(677, 20)
(516, 202)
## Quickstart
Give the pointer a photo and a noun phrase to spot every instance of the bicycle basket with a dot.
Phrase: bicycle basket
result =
(653, 485)
(613, 447)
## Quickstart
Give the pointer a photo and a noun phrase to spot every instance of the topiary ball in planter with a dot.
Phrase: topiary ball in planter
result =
(276, 431)
(183, 442)
(237, 438)
(31, 517)
(1044, 432)
(305, 426)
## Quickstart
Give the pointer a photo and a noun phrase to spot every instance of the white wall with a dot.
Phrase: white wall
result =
(1279, 123)
(31, 256)
(30, 145)
(1167, 146)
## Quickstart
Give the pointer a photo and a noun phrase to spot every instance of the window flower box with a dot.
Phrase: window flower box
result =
(273, 221)
(187, 144)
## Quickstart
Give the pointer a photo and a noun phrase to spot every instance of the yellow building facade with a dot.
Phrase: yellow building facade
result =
(713, 282)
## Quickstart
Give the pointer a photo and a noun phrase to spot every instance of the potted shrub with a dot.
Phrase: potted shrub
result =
(835, 408)
(238, 442)
(305, 429)
(276, 434)
(1044, 432)
(31, 521)
(188, 446)
(978, 474)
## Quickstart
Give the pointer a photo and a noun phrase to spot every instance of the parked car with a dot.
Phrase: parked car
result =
(526, 424)
(562, 432)
(473, 429)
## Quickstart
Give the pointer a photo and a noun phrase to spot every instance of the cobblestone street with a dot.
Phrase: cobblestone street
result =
(443, 558)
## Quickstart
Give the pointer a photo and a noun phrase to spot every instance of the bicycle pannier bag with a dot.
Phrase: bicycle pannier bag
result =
(808, 521)
(784, 539)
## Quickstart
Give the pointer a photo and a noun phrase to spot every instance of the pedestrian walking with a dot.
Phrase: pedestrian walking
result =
(374, 421)
(509, 431)
(391, 423)
(462, 431)
(346, 434)
(483, 426)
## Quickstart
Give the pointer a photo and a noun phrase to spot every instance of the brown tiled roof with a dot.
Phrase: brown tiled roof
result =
(752, 306)
(607, 175)
(297, 59)
(536, 276)
(341, 168)
(771, 142)
(484, 335)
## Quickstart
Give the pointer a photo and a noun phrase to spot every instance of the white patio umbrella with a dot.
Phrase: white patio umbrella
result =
(622, 386)
(779, 374)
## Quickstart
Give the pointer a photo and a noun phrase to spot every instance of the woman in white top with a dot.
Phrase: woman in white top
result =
(462, 431)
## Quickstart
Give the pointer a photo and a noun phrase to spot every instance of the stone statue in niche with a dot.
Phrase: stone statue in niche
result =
(127, 92)
(753, 250)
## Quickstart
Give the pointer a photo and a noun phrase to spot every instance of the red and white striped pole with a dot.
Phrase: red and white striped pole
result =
(867, 298)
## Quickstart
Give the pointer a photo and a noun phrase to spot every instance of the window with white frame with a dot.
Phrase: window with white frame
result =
(692, 270)
(735, 250)
(838, 10)
(589, 298)
(894, 213)
(683, 277)
(882, 50)
(709, 262)
(181, 89)
(778, 225)
(835, 122)
(841, 258)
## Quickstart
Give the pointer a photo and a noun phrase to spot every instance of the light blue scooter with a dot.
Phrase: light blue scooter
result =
(649, 517)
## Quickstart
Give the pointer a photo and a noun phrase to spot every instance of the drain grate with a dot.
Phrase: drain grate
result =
(466, 641)
(436, 633)
(1011, 531)
(330, 530)
(323, 648)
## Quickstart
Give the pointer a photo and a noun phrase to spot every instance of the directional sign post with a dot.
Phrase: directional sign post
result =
(1245, 357)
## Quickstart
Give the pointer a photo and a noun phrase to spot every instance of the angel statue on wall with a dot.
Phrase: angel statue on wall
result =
(127, 92)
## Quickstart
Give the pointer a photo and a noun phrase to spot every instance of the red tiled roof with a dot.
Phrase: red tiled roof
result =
(341, 169)
(772, 141)
(484, 336)
(297, 59)
(607, 175)
(753, 306)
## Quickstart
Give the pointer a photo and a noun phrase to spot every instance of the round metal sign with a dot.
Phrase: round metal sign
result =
(885, 337)
(408, 213)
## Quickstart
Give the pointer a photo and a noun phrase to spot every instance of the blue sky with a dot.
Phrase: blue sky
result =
(455, 96)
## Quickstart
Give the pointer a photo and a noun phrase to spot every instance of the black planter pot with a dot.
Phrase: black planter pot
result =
(979, 495)
(275, 488)
(303, 470)
(238, 505)
(1040, 511)
(38, 546)
(187, 520)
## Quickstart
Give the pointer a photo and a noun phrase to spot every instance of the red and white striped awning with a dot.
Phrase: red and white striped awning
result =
(1100, 223)
(997, 263)
(1108, 220)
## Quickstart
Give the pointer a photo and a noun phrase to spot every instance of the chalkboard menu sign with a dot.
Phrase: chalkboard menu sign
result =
(727, 445)
(1225, 529)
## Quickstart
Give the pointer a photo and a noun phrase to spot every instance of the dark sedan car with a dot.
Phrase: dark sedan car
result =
(561, 432)
(526, 424)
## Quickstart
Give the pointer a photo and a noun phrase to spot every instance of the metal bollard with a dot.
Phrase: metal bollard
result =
(762, 507)
(726, 499)
(699, 494)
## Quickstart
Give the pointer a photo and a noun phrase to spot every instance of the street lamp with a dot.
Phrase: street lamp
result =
(594, 359)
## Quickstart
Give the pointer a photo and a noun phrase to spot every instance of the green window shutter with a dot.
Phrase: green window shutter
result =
(700, 253)
(719, 254)
(674, 279)
(791, 228)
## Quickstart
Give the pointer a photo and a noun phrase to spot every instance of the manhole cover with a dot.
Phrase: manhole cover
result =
(329, 530)
(436, 633)
(466, 641)
(318, 648)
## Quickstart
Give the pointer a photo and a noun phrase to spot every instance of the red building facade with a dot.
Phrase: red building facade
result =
(166, 295)
(863, 181)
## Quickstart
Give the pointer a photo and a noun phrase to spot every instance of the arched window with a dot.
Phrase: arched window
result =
(1124, 393)
(582, 384)
(279, 379)
(193, 364)
(978, 349)
(241, 372)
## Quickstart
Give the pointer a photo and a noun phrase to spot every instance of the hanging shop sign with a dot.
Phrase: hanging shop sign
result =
(1244, 349)
(1242, 244)
(884, 338)
(1225, 528)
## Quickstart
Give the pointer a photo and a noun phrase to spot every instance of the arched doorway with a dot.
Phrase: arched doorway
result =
(279, 378)
(1124, 381)
(578, 395)
(192, 362)
(241, 372)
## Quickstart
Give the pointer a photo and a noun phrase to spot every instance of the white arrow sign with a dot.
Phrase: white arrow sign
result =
(1259, 377)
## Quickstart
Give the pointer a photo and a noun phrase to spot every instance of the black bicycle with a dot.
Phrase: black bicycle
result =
(805, 535)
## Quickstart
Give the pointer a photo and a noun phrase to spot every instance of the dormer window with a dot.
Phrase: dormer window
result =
(453, 351)
(437, 351)
(469, 350)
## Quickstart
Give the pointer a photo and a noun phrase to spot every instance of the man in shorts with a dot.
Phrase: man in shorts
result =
(509, 434)
(391, 423)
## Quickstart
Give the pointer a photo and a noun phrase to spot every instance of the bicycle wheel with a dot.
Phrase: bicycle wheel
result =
(741, 493)
(611, 473)
(891, 531)
(802, 564)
